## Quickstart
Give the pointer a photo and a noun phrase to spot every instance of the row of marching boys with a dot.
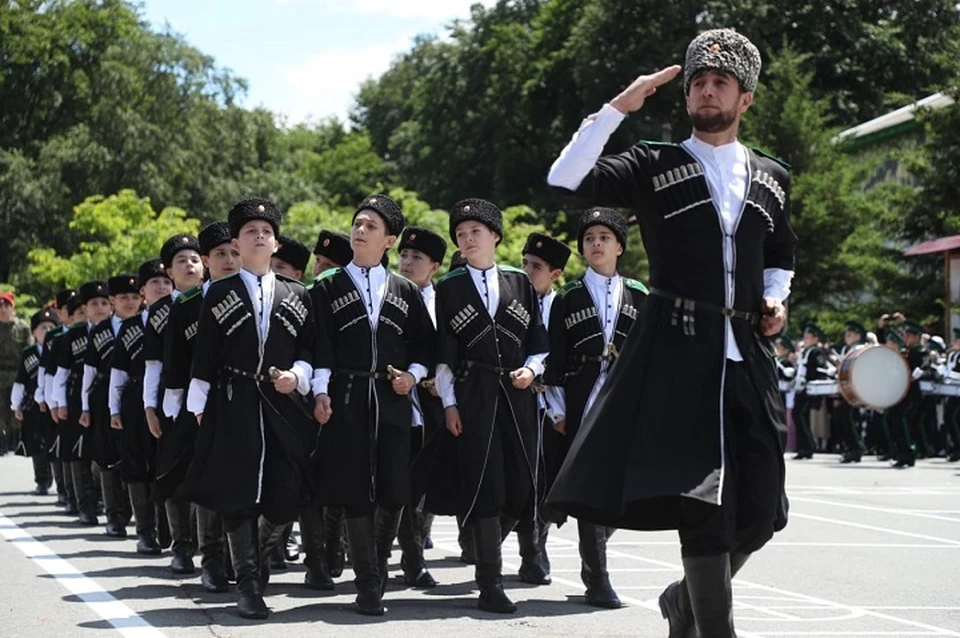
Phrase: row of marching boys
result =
(197, 403)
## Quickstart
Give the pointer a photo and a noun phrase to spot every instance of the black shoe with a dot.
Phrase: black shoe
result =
(495, 600)
(422, 580)
(532, 567)
(675, 609)
(802, 455)
(213, 581)
(904, 463)
(954, 456)
(41, 490)
(318, 578)
(147, 545)
(87, 519)
(602, 595)
(182, 564)
(116, 529)
(71, 509)
(851, 457)
(61, 500)
(533, 574)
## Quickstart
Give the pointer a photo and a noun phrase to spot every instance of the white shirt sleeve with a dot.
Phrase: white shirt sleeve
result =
(535, 363)
(118, 379)
(321, 381)
(48, 389)
(89, 374)
(581, 154)
(444, 385)
(197, 395)
(151, 383)
(16, 396)
(776, 283)
(172, 402)
(418, 371)
(556, 400)
(304, 372)
(60, 387)
(38, 394)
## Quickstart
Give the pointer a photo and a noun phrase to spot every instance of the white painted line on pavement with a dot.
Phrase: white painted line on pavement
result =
(874, 528)
(120, 617)
(797, 544)
(871, 508)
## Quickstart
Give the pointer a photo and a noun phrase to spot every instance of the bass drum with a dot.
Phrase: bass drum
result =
(874, 377)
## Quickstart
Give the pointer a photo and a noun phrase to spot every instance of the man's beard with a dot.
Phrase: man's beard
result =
(713, 120)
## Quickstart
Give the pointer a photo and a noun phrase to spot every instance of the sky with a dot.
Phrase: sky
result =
(304, 59)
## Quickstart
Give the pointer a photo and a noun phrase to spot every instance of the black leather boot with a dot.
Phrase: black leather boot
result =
(543, 532)
(315, 558)
(487, 539)
(86, 492)
(363, 553)
(41, 474)
(244, 542)
(112, 489)
(163, 526)
(271, 535)
(468, 549)
(675, 602)
(711, 594)
(182, 532)
(410, 537)
(532, 568)
(333, 526)
(386, 523)
(213, 577)
(144, 513)
(593, 565)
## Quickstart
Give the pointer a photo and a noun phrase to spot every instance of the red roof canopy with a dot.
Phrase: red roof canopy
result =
(934, 246)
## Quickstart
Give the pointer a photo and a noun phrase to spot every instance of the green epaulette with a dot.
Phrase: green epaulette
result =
(573, 285)
(189, 294)
(659, 143)
(636, 285)
(512, 269)
(776, 159)
(453, 273)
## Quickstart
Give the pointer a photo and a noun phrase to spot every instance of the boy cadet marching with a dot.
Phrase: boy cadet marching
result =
(589, 324)
(251, 369)
(544, 259)
(492, 346)
(375, 342)
(138, 449)
(180, 255)
(36, 427)
(74, 443)
(221, 259)
(124, 296)
(421, 255)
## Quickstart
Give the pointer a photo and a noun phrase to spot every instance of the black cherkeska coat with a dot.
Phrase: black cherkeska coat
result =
(363, 452)
(99, 353)
(37, 427)
(253, 445)
(74, 442)
(649, 455)
(492, 411)
(179, 434)
(138, 450)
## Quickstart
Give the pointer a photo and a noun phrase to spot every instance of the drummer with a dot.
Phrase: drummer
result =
(848, 418)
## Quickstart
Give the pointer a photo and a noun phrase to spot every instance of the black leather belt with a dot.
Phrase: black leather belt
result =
(255, 376)
(366, 374)
(683, 309)
(467, 365)
(596, 358)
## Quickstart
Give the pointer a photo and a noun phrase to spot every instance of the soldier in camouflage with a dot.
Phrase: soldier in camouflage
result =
(14, 337)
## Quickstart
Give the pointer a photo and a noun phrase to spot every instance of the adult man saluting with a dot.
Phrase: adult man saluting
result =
(715, 221)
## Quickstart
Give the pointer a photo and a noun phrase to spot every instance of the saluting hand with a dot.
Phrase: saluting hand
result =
(774, 316)
(452, 417)
(633, 97)
(321, 409)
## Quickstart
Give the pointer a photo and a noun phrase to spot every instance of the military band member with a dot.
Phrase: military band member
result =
(492, 347)
(74, 443)
(251, 371)
(375, 342)
(421, 255)
(845, 416)
(543, 259)
(221, 260)
(125, 301)
(906, 417)
(36, 427)
(811, 366)
(138, 449)
(714, 217)
(951, 411)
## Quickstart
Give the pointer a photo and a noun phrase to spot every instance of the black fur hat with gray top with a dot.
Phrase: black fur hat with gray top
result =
(722, 50)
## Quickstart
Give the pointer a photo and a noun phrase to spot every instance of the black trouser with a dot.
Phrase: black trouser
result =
(847, 419)
(898, 422)
(803, 403)
(42, 474)
(951, 422)
(752, 480)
